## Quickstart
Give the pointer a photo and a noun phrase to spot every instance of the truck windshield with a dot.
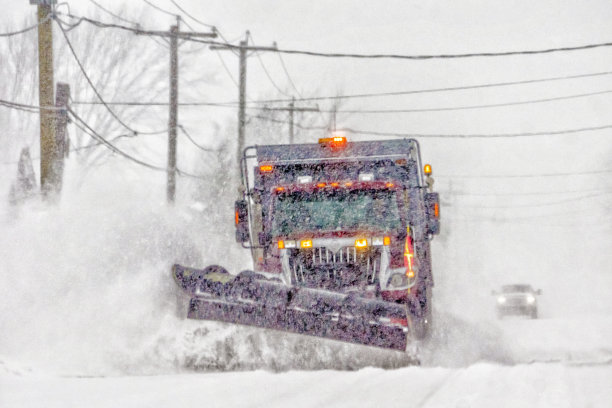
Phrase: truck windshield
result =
(335, 210)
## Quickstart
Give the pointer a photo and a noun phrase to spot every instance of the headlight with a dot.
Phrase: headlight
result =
(530, 299)
(501, 300)
(398, 280)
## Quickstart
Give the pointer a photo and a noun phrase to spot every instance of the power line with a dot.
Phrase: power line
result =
(470, 107)
(535, 175)
(115, 149)
(227, 70)
(481, 135)
(444, 56)
(161, 9)
(445, 89)
(193, 18)
(458, 136)
(515, 193)
(25, 30)
(113, 14)
(161, 41)
(90, 82)
(422, 110)
(366, 56)
(196, 144)
(26, 107)
(280, 57)
(530, 205)
(109, 145)
(263, 66)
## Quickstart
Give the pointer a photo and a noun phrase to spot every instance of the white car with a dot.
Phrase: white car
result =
(517, 299)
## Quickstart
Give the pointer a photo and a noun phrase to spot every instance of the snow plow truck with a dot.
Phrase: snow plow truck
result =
(339, 233)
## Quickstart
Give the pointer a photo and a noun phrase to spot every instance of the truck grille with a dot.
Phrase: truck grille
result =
(323, 268)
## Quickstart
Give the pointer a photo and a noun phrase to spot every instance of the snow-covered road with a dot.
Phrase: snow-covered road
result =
(479, 385)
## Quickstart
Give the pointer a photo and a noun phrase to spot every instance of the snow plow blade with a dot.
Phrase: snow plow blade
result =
(247, 300)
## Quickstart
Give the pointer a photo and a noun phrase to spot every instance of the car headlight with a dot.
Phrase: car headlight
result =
(501, 300)
(530, 299)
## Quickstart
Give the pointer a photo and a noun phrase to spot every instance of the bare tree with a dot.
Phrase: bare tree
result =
(120, 64)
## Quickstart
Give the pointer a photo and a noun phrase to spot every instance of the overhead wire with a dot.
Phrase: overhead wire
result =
(263, 66)
(196, 144)
(517, 193)
(78, 120)
(25, 107)
(444, 56)
(95, 90)
(476, 135)
(118, 17)
(534, 175)
(458, 136)
(192, 17)
(371, 56)
(443, 89)
(161, 9)
(159, 40)
(469, 107)
(25, 30)
(530, 205)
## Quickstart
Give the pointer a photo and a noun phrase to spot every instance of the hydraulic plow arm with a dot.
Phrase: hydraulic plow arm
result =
(273, 305)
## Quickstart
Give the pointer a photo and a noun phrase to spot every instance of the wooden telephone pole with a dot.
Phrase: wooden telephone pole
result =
(175, 34)
(243, 48)
(48, 146)
(291, 109)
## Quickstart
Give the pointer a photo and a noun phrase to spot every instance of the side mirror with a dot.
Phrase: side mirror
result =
(432, 209)
(241, 218)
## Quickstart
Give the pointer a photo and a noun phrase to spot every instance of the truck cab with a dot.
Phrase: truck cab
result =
(350, 217)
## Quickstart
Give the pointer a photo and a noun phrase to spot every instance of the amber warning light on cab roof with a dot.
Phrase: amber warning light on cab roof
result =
(333, 142)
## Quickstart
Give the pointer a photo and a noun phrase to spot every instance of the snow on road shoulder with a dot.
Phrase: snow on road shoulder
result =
(479, 385)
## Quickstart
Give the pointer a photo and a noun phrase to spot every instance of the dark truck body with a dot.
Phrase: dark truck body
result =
(340, 237)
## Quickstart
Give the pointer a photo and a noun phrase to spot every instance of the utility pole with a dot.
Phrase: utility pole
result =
(243, 48)
(175, 34)
(62, 95)
(173, 114)
(291, 109)
(48, 147)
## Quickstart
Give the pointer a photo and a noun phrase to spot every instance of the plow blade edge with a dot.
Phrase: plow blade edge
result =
(247, 300)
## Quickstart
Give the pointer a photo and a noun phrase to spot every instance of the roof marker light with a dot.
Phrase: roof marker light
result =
(279, 189)
(334, 184)
(427, 169)
(266, 168)
(366, 177)
(281, 244)
(333, 142)
(306, 243)
(389, 185)
(321, 185)
(361, 243)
